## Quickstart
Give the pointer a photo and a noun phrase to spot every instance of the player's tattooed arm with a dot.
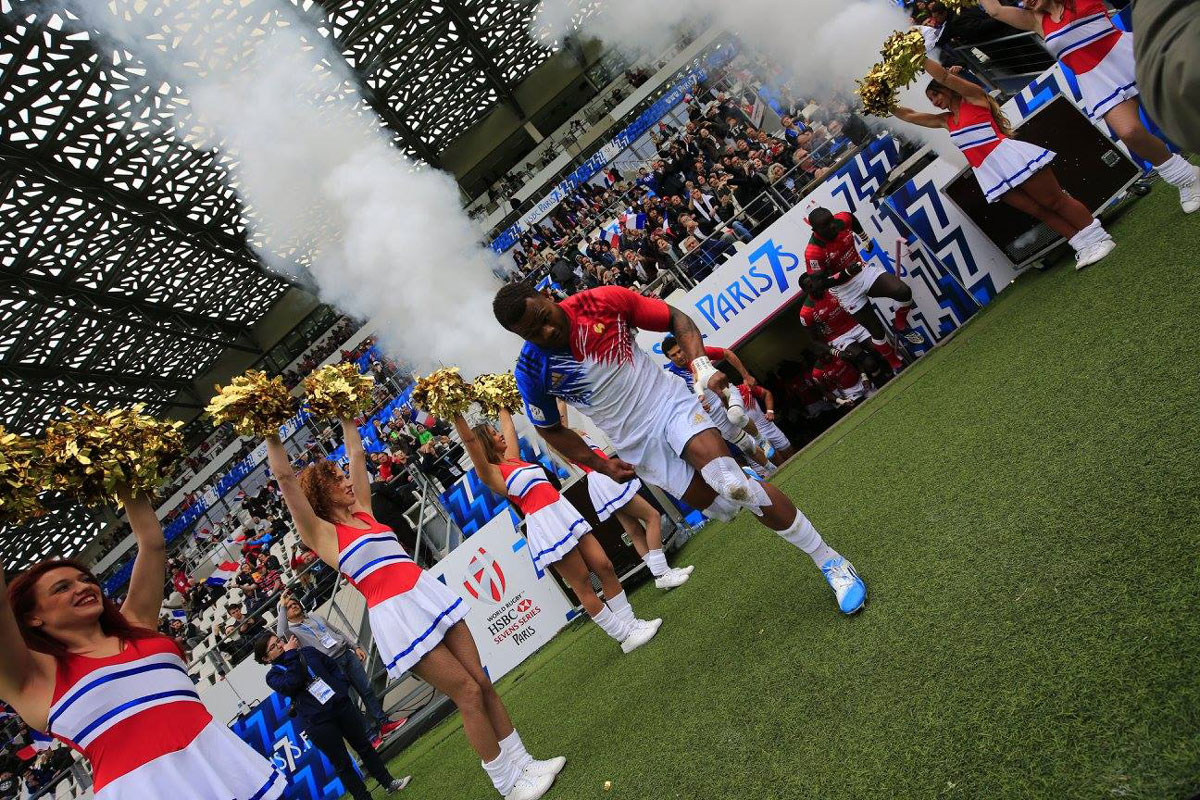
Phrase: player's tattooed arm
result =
(687, 333)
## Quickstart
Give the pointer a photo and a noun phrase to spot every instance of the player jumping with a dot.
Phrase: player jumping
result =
(828, 322)
(583, 350)
(832, 253)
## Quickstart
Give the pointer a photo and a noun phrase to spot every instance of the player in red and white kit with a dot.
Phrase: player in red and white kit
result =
(760, 408)
(832, 255)
(825, 318)
(841, 378)
(583, 350)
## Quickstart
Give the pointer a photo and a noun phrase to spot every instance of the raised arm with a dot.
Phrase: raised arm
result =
(970, 91)
(23, 673)
(512, 444)
(919, 117)
(1017, 17)
(488, 472)
(144, 602)
(315, 532)
(360, 479)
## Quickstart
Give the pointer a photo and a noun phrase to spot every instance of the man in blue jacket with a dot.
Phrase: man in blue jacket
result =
(319, 693)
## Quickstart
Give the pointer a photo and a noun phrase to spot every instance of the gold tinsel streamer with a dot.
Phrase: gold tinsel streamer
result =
(955, 6)
(495, 391)
(903, 57)
(339, 392)
(443, 393)
(91, 452)
(256, 405)
(879, 96)
(21, 478)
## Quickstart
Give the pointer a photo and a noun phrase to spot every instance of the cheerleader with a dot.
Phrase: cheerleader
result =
(557, 533)
(1008, 170)
(1081, 36)
(102, 680)
(639, 519)
(416, 621)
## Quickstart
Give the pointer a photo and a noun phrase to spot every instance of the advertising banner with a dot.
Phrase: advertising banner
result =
(278, 737)
(515, 607)
(948, 285)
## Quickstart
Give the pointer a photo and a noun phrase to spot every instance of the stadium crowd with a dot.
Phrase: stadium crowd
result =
(688, 207)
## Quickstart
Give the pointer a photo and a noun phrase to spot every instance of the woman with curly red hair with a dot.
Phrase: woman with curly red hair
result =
(103, 680)
(416, 621)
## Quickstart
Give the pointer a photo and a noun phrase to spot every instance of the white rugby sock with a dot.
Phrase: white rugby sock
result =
(1176, 171)
(619, 605)
(503, 772)
(615, 626)
(657, 562)
(804, 535)
(512, 748)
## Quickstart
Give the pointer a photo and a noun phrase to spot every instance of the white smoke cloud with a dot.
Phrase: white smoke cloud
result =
(819, 46)
(383, 238)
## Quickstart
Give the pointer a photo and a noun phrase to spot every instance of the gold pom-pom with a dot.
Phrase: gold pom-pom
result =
(443, 393)
(21, 478)
(904, 57)
(255, 404)
(91, 452)
(879, 96)
(339, 391)
(495, 391)
(955, 6)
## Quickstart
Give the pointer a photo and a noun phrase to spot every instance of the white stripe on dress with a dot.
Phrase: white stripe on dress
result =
(1079, 33)
(522, 480)
(103, 698)
(366, 554)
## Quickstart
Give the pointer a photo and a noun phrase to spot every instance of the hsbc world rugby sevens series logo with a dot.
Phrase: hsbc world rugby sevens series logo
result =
(485, 580)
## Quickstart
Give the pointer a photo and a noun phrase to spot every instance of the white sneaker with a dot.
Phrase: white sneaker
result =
(671, 579)
(530, 787)
(551, 766)
(688, 569)
(1189, 194)
(1093, 253)
(643, 631)
(399, 784)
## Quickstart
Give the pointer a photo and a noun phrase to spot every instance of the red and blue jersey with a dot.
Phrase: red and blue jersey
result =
(603, 372)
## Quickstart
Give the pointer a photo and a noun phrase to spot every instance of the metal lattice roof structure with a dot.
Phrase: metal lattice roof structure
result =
(125, 270)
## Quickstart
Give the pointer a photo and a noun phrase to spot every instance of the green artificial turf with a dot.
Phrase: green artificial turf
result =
(1023, 506)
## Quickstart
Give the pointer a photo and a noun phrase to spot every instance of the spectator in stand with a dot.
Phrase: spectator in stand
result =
(318, 691)
(247, 626)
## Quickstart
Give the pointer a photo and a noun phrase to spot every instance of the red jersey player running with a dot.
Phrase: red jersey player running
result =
(824, 316)
(583, 351)
(760, 408)
(832, 255)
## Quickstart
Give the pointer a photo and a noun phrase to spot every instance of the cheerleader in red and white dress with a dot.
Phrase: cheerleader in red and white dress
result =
(105, 682)
(557, 533)
(1081, 36)
(639, 519)
(1008, 170)
(417, 623)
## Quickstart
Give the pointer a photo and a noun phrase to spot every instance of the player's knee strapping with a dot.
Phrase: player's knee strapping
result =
(725, 476)
(722, 509)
